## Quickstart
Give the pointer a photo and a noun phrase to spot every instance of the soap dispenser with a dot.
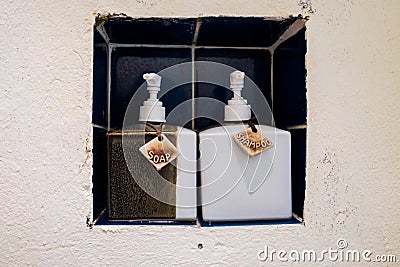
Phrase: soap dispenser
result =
(245, 168)
(152, 166)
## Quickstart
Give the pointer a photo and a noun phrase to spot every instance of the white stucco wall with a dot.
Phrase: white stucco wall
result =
(353, 168)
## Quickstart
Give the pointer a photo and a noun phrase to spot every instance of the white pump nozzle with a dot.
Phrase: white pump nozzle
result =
(152, 109)
(237, 108)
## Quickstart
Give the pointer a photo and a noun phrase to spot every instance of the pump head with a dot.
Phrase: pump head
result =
(152, 109)
(237, 108)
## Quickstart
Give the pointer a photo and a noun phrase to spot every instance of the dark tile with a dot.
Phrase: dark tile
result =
(298, 169)
(256, 65)
(99, 115)
(98, 39)
(99, 178)
(178, 106)
(240, 31)
(290, 104)
(151, 31)
(128, 67)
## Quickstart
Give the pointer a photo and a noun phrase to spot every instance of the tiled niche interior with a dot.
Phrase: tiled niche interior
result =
(125, 48)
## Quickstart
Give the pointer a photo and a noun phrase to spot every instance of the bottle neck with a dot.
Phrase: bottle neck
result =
(149, 128)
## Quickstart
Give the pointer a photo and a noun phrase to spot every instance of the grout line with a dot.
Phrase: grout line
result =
(98, 217)
(187, 46)
(149, 45)
(233, 47)
(109, 52)
(297, 217)
(193, 88)
(103, 32)
(272, 81)
(196, 33)
(193, 47)
(292, 30)
(99, 126)
(296, 127)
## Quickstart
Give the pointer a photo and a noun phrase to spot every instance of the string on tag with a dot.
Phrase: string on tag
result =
(252, 124)
(157, 129)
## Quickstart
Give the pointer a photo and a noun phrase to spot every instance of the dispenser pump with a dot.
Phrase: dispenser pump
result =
(152, 109)
(237, 108)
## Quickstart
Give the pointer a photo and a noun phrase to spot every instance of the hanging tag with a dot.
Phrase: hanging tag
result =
(159, 152)
(252, 143)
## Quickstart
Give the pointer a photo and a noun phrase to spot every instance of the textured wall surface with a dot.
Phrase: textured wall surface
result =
(353, 168)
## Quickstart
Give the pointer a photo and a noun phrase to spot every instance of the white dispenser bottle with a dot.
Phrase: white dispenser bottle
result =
(164, 162)
(242, 180)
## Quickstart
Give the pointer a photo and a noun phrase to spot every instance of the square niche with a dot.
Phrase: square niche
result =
(271, 51)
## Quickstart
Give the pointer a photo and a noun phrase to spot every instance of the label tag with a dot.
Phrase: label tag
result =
(252, 143)
(159, 152)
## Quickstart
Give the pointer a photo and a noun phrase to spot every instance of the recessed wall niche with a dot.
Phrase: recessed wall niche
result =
(271, 51)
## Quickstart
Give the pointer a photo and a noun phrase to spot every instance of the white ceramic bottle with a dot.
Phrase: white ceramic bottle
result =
(237, 184)
(152, 175)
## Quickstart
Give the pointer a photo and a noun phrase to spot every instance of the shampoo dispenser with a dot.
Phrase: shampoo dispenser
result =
(245, 168)
(151, 166)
